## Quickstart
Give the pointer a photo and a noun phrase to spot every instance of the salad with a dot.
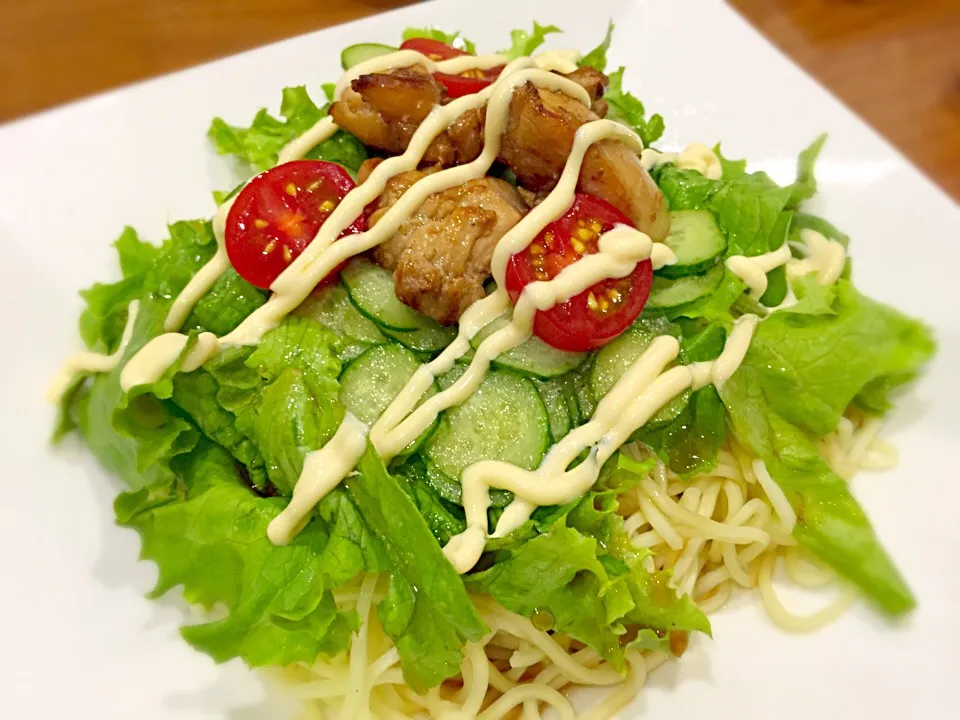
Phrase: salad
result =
(470, 395)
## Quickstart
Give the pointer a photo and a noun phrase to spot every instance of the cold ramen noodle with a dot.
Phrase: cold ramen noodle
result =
(472, 396)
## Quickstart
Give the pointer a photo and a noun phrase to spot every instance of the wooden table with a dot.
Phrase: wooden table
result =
(897, 63)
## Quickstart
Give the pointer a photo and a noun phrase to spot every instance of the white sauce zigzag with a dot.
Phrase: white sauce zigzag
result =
(645, 387)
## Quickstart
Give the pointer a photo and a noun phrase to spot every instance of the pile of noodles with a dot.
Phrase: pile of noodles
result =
(724, 530)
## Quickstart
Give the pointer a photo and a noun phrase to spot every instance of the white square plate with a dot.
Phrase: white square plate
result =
(78, 636)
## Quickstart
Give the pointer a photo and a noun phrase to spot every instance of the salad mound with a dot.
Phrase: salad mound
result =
(357, 592)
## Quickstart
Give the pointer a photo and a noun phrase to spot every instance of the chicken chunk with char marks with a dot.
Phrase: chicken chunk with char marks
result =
(535, 145)
(440, 256)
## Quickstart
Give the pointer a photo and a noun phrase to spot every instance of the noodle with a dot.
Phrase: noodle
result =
(722, 530)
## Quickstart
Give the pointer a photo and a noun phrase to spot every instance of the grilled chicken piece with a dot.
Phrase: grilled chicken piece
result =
(385, 109)
(440, 257)
(535, 145)
(595, 83)
(539, 135)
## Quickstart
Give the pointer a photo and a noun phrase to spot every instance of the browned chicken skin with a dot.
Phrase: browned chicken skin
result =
(535, 145)
(385, 109)
(440, 257)
(538, 139)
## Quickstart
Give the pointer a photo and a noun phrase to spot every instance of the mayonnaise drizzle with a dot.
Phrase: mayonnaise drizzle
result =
(753, 270)
(323, 470)
(159, 355)
(636, 397)
(85, 361)
(199, 285)
(643, 389)
(735, 349)
(823, 256)
(324, 129)
(561, 61)
(323, 255)
(696, 156)
(619, 252)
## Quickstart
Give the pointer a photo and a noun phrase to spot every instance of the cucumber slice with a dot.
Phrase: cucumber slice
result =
(534, 357)
(557, 413)
(370, 383)
(614, 358)
(451, 376)
(586, 403)
(505, 419)
(331, 307)
(451, 490)
(371, 289)
(697, 242)
(667, 293)
(568, 387)
(668, 413)
(428, 340)
(356, 54)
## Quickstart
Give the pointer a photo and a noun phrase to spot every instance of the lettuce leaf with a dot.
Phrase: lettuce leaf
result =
(136, 437)
(802, 221)
(690, 443)
(268, 406)
(443, 518)
(750, 209)
(812, 365)
(802, 370)
(103, 319)
(344, 149)
(805, 186)
(597, 58)
(575, 566)
(525, 43)
(714, 307)
(260, 143)
(453, 39)
(426, 612)
(628, 110)
(732, 169)
(685, 189)
(206, 528)
(196, 394)
(226, 305)
(206, 531)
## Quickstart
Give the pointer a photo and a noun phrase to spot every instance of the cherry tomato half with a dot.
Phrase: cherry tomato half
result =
(469, 81)
(465, 83)
(279, 212)
(433, 49)
(596, 316)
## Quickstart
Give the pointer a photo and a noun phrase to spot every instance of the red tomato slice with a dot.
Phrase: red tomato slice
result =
(279, 212)
(596, 316)
(433, 49)
(469, 81)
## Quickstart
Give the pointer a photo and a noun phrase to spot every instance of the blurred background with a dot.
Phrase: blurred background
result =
(895, 62)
